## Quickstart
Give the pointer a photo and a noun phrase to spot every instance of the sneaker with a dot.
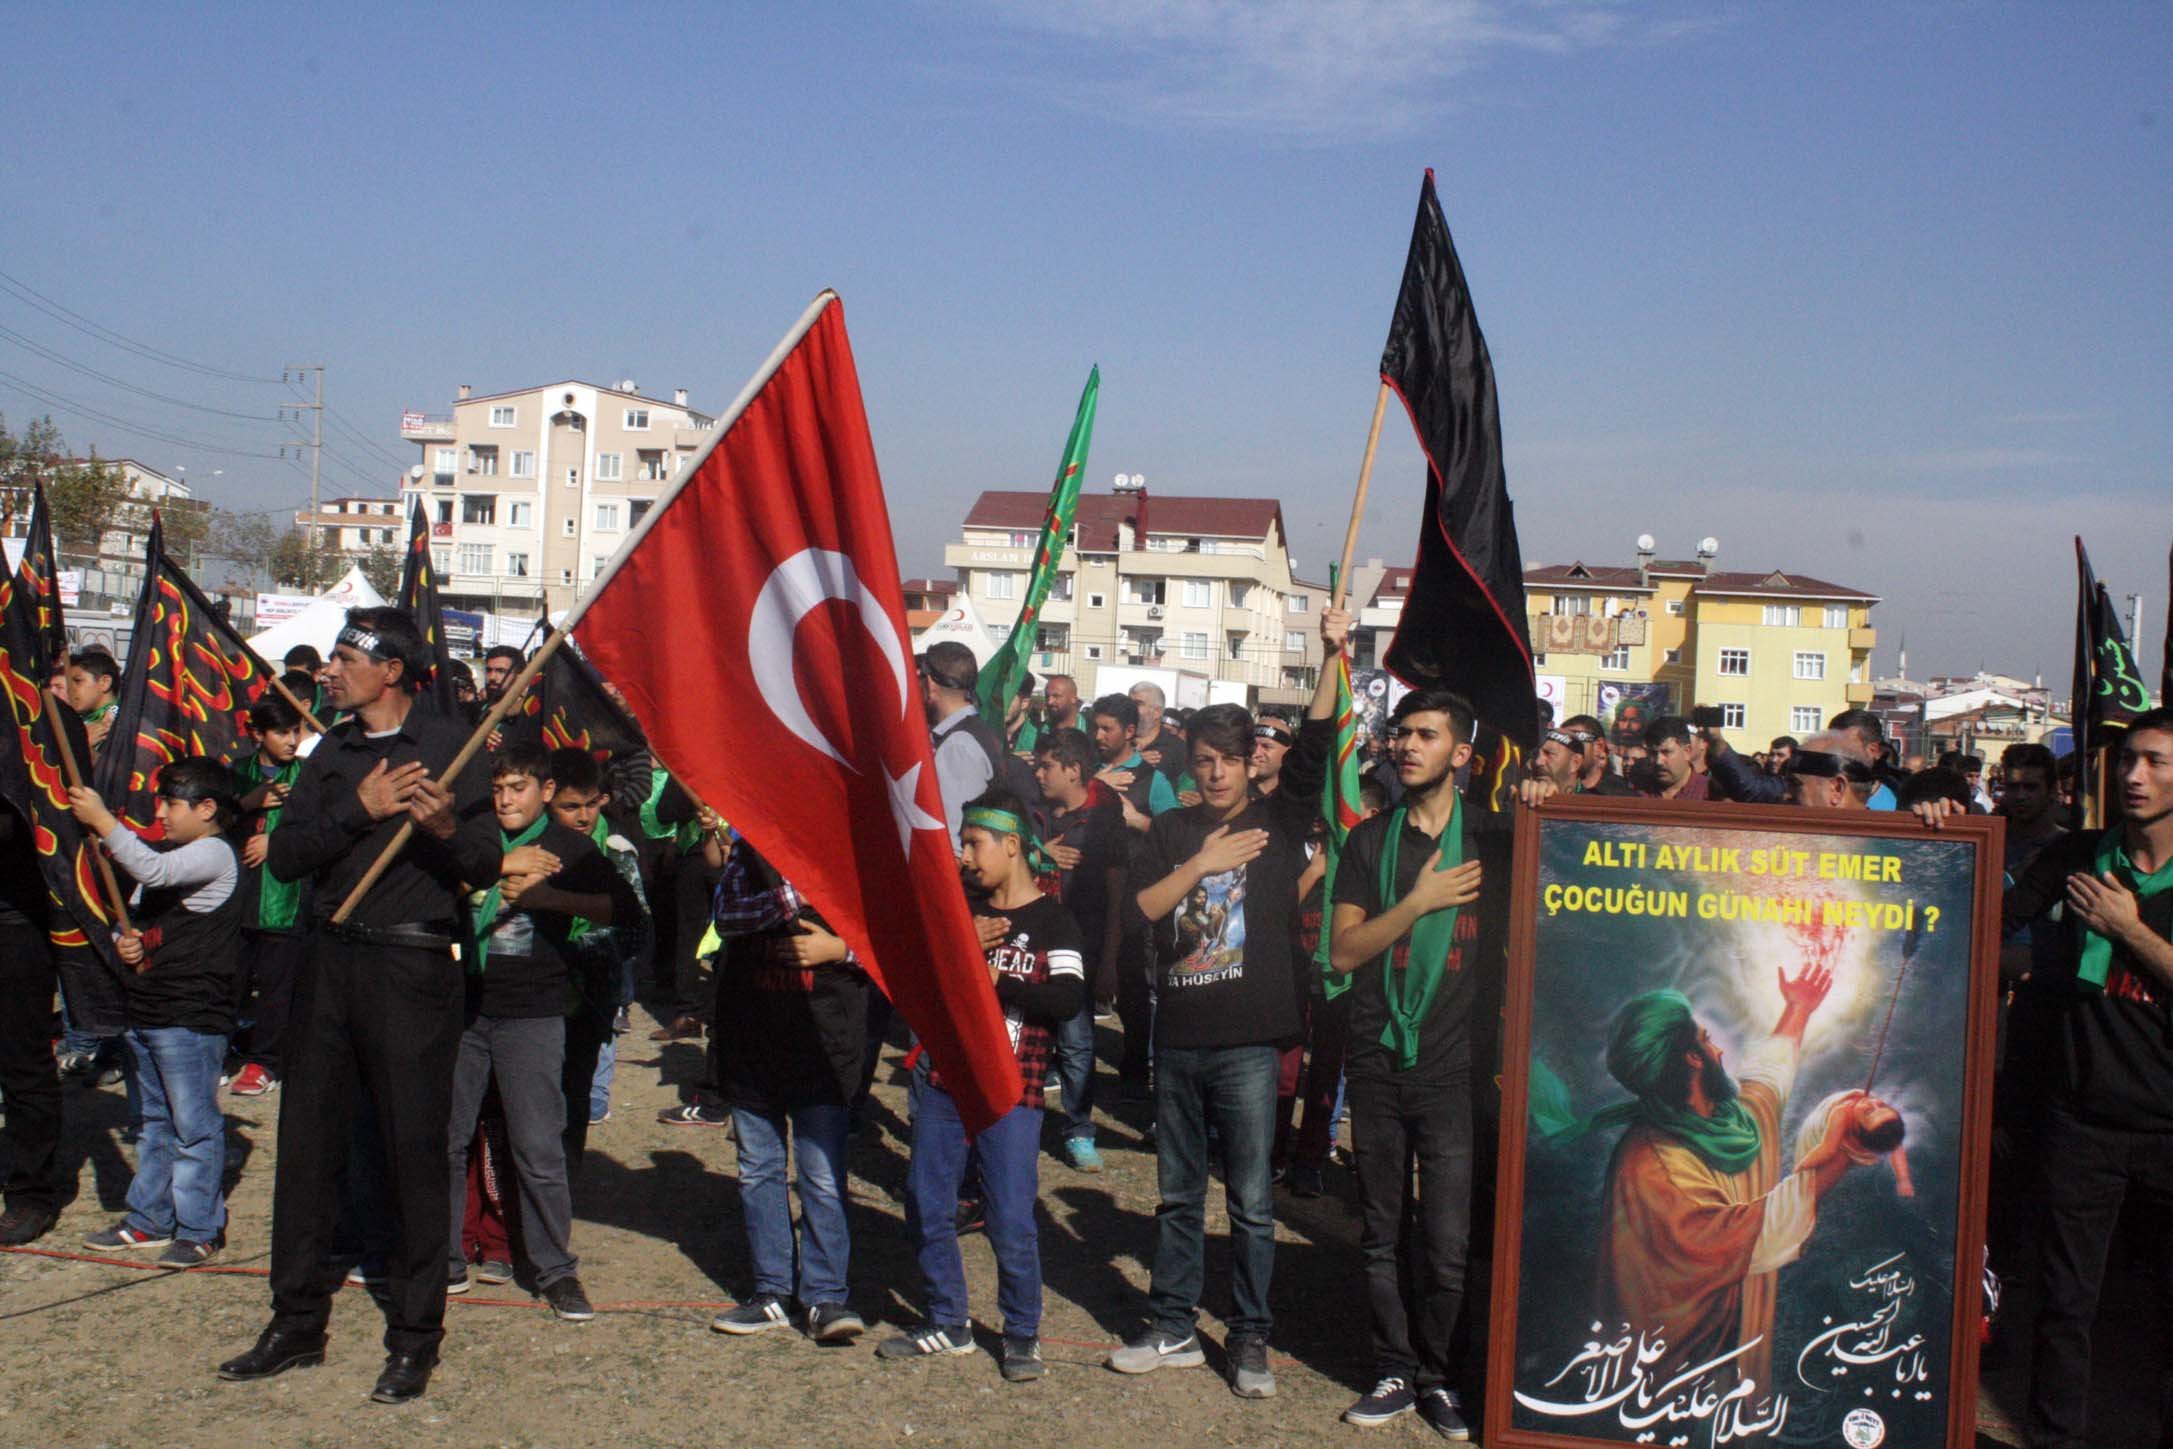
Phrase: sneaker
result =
(1081, 1153)
(834, 1323)
(972, 1216)
(758, 1314)
(928, 1343)
(1157, 1350)
(25, 1224)
(1305, 1182)
(121, 1235)
(695, 1114)
(182, 1253)
(368, 1274)
(493, 1270)
(1391, 1398)
(599, 1115)
(568, 1301)
(1250, 1376)
(253, 1081)
(1444, 1414)
(1022, 1360)
(457, 1281)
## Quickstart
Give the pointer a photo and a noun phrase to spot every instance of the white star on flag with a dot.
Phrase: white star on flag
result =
(906, 809)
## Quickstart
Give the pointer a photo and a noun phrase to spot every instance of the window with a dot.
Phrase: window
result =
(384, 535)
(441, 559)
(566, 527)
(565, 576)
(1052, 638)
(483, 461)
(1195, 646)
(1786, 615)
(524, 465)
(635, 508)
(520, 513)
(1294, 642)
(1803, 720)
(502, 417)
(516, 565)
(475, 558)
(1000, 584)
(1617, 658)
(447, 462)
(1674, 656)
(1143, 591)
(999, 632)
(607, 468)
(479, 508)
(1810, 664)
(637, 420)
(1238, 593)
(607, 518)
(1732, 716)
(1295, 604)
(1735, 661)
(1577, 604)
(573, 477)
(1060, 589)
(596, 564)
(1094, 651)
(1097, 601)
(652, 465)
(1837, 616)
(1199, 594)
(445, 512)
(1675, 608)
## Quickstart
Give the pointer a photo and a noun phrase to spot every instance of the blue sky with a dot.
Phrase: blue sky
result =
(1873, 293)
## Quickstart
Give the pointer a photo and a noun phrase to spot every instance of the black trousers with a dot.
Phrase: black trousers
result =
(270, 963)
(2088, 1173)
(1135, 1008)
(1415, 1251)
(586, 1034)
(30, 1140)
(381, 1023)
(693, 886)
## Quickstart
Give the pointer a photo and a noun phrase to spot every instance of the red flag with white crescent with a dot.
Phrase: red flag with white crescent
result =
(756, 627)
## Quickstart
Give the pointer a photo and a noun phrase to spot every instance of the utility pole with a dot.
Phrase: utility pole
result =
(315, 444)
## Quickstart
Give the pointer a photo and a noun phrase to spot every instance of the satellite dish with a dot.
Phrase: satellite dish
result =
(1645, 543)
(416, 472)
(1708, 544)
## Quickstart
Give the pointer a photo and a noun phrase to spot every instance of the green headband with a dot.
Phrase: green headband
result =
(1003, 822)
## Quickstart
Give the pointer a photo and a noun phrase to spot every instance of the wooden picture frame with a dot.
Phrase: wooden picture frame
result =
(1866, 1348)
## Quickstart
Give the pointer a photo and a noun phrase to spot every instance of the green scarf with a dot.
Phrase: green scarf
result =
(2097, 951)
(493, 906)
(1411, 991)
(279, 902)
(686, 837)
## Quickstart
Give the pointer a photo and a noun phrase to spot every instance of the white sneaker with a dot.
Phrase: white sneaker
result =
(1157, 1350)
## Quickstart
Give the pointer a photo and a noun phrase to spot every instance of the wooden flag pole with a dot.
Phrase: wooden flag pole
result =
(1358, 501)
(514, 690)
(290, 697)
(98, 853)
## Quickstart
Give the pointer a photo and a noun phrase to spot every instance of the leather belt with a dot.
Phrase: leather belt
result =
(412, 935)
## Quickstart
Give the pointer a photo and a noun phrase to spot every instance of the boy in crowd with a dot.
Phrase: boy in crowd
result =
(1145, 789)
(182, 954)
(1143, 792)
(1399, 937)
(790, 1038)
(1218, 884)
(547, 885)
(1086, 837)
(1040, 982)
(274, 911)
(93, 682)
(604, 955)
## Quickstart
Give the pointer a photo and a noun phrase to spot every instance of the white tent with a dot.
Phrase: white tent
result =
(318, 625)
(961, 624)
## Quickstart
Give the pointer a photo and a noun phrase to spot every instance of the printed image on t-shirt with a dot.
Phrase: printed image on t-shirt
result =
(1211, 932)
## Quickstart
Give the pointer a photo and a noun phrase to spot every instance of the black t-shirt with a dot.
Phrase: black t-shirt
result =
(1227, 957)
(1097, 831)
(1445, 1036)
(1167, 754)
(2112, 1049)
(787, 1037)
(528, 970)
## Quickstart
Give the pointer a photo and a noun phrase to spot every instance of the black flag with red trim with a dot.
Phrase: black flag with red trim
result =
(569, 707)
(419, 596)
(1463, 625)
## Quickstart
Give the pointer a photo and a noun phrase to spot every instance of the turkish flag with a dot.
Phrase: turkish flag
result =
(755, 625)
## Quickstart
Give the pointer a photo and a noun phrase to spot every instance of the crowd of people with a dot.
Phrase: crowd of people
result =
(441, 1049)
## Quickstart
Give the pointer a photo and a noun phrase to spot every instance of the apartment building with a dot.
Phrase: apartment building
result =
(1204, 585)
(356, 525)
(1777, 652)
(531, 491)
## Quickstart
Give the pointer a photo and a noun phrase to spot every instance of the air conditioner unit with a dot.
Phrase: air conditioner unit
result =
(1154, 611)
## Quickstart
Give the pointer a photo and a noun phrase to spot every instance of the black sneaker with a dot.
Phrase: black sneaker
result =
(834, 1323)
(494, 1271)
(457, 1280)
(930, 1342)
(1155, 1349)
(1444, 1414)
(1391, 1398)
(758, 1314)
(568, 1301)
(972, 1216)
(1250, 1376)
(1022, 1360)
(189, 1253)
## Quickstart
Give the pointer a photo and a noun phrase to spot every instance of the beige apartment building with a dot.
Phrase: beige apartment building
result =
(531, 491)
(1206, 590)
(356, 525)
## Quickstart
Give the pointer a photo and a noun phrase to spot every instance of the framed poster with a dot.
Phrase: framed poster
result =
(1745, 1122)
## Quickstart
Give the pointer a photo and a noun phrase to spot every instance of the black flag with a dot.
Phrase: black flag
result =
(568, 707)
(2108, 687)
(1463, 624)
(419, 596)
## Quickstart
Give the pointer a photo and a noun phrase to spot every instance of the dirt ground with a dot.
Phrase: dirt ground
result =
(99, 1355)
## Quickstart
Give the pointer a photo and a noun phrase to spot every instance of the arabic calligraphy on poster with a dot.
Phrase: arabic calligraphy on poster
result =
(1743, 1160)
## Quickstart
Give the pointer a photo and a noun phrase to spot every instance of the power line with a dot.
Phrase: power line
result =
(49, 355)
(65, 404)
(23, 292)
(390, 457)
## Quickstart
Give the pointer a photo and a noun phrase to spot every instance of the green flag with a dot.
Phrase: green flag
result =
(1340, 807)
(1001, 675)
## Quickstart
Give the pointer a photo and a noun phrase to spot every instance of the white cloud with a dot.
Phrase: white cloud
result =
(1304, 67)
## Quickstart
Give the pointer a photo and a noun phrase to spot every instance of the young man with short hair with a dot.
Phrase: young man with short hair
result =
(1673, 775)
(94, 681)
(274, 911)
(182, 953)
(1218, 884)
(1086, 835)
(1040, 981)
(1143, 792)
(549, 886)
(500, 663)
(1272, 739)
(603, 956)
(1145, 788)
(1400, 937)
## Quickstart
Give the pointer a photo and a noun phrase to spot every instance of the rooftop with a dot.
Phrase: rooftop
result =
(1168, 516)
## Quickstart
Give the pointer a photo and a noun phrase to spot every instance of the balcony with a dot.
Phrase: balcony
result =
(1860, 694)
(1863, 637)
(688, 439)
(426, 427)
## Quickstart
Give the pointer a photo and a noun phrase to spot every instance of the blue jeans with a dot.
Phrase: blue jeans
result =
(818, 1136)
(181, 1157)
(1010, 1153)
(1075, 1073)
(607, 1067)
(1232, 1090)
